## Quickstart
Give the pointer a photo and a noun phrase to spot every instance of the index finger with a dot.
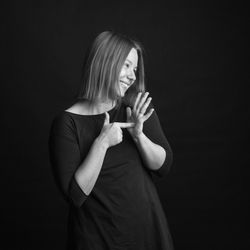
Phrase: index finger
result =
(125, 124)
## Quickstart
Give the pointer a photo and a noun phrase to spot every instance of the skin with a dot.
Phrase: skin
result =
(152, 154)
(128, 71)
(137, 114)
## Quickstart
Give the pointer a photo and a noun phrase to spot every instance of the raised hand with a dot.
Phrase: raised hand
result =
(111, 133)
(137, 114)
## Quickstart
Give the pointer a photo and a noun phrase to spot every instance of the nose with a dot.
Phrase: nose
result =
(131, 75)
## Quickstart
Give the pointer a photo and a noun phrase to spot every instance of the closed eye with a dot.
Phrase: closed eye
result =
(127, 65)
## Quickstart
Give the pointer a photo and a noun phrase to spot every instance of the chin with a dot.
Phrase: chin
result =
(122, 93)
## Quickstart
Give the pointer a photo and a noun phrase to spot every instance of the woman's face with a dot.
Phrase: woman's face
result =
(127, 75)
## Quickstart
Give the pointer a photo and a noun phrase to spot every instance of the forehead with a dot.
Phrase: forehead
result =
(133, 56)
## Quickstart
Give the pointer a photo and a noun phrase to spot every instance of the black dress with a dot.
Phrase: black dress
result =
(123, 211)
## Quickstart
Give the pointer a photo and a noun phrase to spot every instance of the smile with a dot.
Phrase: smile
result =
(125, 84)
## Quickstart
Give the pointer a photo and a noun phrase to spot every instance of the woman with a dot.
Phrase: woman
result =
(104, 150)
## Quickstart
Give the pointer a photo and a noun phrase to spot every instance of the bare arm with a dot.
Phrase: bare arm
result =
(152, 154)
(88, 172)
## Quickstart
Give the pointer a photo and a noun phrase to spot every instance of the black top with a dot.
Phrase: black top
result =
(123, 211)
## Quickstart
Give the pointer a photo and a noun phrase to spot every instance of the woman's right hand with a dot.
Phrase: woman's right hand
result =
(111, 133)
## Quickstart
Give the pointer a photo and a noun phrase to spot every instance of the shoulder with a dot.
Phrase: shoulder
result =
(79, 107)
(63, 124)
(75, 109)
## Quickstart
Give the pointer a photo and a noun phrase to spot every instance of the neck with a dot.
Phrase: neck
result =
(100, 106)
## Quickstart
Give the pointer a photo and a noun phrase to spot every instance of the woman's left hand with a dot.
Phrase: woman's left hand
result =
(137, 114)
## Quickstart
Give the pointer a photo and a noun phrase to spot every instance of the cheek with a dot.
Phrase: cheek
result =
(122, 73)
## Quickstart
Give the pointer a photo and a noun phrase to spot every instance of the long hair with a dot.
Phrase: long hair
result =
(102, 67)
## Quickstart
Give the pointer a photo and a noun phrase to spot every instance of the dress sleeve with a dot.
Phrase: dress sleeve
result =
(65, 158)
(153, 130)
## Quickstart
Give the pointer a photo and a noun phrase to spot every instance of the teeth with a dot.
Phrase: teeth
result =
(124, 84)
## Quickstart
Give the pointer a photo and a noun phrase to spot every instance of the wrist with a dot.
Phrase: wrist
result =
(101, 142)
(137, 138)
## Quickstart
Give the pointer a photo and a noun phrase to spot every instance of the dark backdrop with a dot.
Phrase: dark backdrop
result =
(196, 73)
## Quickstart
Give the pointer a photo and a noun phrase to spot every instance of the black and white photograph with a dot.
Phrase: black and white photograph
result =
(125, 125)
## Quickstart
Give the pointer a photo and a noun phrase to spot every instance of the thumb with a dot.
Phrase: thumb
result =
(106, 120)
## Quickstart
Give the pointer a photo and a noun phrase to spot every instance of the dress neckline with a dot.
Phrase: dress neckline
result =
(93, 115)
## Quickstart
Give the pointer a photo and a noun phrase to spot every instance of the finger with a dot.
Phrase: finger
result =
(120, 138)
(137, 100)
(129, 112)
(142, 101)
(125, 124)
(145, 106)
(119, 133)
(106, 120)
(150, 112)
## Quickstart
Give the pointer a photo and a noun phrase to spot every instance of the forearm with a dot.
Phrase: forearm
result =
(152, 154)
(88, 172)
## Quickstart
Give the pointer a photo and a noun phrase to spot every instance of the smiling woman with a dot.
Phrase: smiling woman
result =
(104, 150)
(111, 59)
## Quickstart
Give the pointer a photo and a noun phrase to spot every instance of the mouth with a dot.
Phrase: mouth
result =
(127, 85)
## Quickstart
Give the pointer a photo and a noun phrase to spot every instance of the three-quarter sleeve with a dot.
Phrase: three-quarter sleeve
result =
(65, 158)
(153, 130)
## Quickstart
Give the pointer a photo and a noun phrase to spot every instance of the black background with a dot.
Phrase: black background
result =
(197, 73)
